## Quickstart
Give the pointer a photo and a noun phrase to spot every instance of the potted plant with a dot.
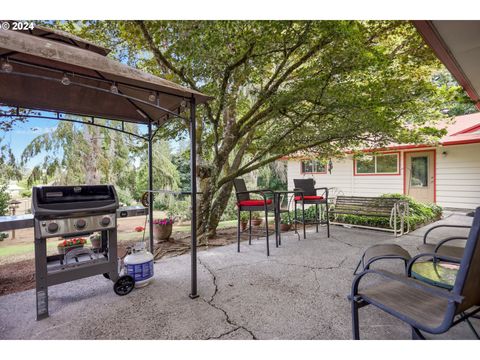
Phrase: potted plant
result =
(244, 220)
(285, 222)
(162, 229)
(67, 245)
(256, 218)
(96, 240)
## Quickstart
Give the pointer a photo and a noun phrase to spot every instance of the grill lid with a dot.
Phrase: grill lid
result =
(64, 201)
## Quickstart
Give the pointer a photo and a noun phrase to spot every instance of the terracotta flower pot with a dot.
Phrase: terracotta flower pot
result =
(162, 232)
(243, 225)
(285, 227)
(257, 222)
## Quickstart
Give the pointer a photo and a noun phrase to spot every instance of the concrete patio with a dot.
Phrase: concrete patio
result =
(299, 292)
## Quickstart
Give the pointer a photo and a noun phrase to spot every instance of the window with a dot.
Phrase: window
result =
(419, 171)
(377, 164)
(313, 167)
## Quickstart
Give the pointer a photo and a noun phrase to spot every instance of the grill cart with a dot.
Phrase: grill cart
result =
(72, 213)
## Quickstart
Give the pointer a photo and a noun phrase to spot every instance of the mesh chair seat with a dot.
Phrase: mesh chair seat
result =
(424, 310)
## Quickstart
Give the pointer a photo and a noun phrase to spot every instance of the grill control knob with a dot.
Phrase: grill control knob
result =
(80, 224)
(105, 221)
(52, 227)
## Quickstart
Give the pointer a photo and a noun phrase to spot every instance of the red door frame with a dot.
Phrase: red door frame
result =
(434, 171)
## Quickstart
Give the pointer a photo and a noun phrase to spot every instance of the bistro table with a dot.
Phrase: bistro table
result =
(441, 274)
(279, 210)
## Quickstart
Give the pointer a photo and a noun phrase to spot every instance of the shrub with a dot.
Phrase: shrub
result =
(4, 199)
(180, 209)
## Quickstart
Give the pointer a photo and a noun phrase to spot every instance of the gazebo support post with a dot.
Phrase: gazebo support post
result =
(193, 182)
(150, 185)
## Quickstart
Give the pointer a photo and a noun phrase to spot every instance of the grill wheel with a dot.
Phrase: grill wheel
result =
(124, 285)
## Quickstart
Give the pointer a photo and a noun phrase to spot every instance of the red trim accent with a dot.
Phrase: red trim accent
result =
(434, 171)
(461, 142)
(379, 174)
(427, 29)
(467, 130)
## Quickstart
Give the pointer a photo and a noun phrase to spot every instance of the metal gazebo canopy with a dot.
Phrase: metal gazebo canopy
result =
(56, 72)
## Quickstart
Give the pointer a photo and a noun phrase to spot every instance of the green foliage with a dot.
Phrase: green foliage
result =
(244, 216)
(9, 168)
(26, 193)
(180, 209)
(286, 218)
(281, 87)
(4, 199)
(257, 215)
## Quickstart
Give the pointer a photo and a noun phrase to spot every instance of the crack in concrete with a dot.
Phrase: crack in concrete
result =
(215, 306)
(313, 267)
(223, 334)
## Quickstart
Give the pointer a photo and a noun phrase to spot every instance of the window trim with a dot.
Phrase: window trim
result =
(315, 172)
(355, 173)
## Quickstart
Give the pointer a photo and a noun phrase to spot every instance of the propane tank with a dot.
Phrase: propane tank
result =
(139, 265)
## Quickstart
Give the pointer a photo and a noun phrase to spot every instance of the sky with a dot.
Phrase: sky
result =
(23, 133)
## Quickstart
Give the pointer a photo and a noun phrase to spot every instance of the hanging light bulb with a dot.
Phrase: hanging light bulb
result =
(6, 66)
(114, 89)
(65, 80)
(183, 104)
(152, 97)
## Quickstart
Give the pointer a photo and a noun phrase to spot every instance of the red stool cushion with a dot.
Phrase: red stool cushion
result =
(254, 202)
(308, 197)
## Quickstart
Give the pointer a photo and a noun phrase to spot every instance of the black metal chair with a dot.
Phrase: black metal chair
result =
(307, 195)
(245, 203)
(441, 247)
(425, 307)
(393, 251)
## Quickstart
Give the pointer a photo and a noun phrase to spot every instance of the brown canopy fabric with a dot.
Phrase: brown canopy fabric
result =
(41, 60)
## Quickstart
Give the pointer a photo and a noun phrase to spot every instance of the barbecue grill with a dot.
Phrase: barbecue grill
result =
(70, 212)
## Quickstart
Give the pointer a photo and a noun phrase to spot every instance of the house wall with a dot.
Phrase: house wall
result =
(343, 179)
(457, 177)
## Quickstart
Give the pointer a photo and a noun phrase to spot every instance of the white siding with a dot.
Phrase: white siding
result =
(343, 179)
(458, 176)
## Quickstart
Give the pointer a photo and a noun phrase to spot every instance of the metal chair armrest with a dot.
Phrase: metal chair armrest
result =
(443, 225)
(405, 280)
(299, 191)
(260, 192)
(441, 243)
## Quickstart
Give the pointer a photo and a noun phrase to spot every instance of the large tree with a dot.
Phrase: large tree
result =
(282, 87)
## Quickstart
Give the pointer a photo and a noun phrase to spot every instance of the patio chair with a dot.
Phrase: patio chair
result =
(245, 203)
(440, 247)
(307, 195)
(393, 251)
(424, 307)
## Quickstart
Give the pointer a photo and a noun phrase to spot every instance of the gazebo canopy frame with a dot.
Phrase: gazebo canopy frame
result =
(71, 79)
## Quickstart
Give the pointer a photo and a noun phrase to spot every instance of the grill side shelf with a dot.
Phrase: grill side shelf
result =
(17, 222)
